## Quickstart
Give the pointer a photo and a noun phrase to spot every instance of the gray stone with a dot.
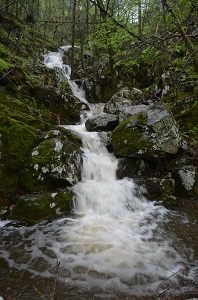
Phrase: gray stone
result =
(122, 99)
(55, 162)
(149, 131)
(102, 122)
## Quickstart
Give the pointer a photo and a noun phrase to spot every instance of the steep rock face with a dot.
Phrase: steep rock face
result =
(55, 162)
(102, 122)
(150, 132)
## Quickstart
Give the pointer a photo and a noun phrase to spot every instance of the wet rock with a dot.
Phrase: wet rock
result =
(122, 99)
(55, 93)
(102, 122)
(55, 162)
(150, 132)
(158, 183)
(35, 208)
(159, 189)
(185, 174)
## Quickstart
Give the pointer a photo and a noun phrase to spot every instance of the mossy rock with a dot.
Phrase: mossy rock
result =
(127, 139)
(55, 162)
(3, 207)
(159, 189)
(185, 112)
(39, 207)
(139, 167)
(150, 131)
(17, 139)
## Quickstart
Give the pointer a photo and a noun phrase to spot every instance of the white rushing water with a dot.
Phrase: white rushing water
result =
(115, 242)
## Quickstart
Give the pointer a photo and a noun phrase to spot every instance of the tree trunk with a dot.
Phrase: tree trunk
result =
(73, 38)
(113, 71)
(139, 18)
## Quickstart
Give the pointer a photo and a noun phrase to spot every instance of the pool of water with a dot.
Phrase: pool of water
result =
(44, 262)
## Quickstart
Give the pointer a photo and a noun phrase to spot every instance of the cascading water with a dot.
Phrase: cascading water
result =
(115, 243)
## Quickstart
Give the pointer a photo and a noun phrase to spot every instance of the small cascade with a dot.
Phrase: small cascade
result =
(54, 60)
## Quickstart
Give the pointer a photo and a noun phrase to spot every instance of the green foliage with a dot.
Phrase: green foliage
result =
(5, 66)
(149, 54)
(107, 36)
(194, 133)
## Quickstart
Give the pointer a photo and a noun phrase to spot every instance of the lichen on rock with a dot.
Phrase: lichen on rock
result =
(151, 132)
(55, 161)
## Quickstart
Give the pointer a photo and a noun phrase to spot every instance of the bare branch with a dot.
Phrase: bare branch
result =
(1, 8)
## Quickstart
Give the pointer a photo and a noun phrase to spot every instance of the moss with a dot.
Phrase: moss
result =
(17, 140)
(167, 188)
(34, 209)
(4, 65)
(4, 51)
(51, 162)
(24, 112)
(128, 139)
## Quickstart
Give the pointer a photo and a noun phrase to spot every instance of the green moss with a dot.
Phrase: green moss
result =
(34, 209)
(4, 51)
(128, 139)
(4, 65)
(46, 167)
(17, 140)
(167, 188)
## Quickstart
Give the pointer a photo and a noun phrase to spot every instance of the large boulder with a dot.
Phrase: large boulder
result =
(150, 132)
(55, 162)
(102, 122)
(122, 99)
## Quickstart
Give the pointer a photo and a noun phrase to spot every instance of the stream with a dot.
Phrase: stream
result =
(115, 244)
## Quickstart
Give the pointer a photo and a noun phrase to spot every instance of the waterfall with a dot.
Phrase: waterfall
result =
(114, 244)
(115, 241)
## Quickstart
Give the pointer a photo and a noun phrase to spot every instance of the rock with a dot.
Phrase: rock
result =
(102, 122)
(134, 167)
(159, 189)
(131, 110)
(18, 135)
(151, 132)
(186, 111)
(120, 100)
(185, 175)
(55, 162)
(35, 208)
(158, 183)
(189, 178)
(57, 94)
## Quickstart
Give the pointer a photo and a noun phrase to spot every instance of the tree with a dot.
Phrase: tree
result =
(73, 38)
(189, 45)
